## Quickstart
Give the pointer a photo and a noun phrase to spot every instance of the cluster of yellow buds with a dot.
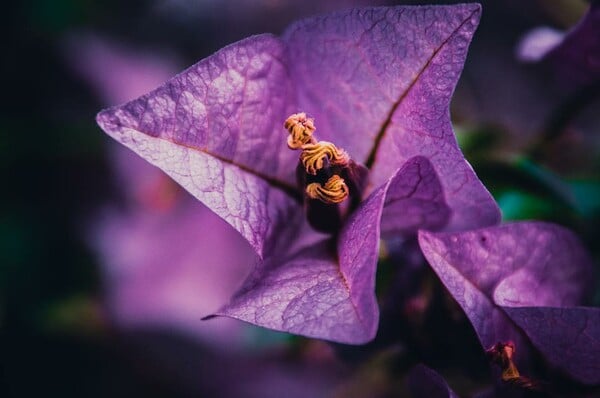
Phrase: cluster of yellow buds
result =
(313, 157)
(301, 129)
(333, 191)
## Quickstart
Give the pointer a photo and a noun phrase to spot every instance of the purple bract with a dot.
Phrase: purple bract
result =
(378, 82)
(523, 282)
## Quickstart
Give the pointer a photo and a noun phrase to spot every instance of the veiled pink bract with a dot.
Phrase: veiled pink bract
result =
(378, 82)
(523, 282)
(160, 268)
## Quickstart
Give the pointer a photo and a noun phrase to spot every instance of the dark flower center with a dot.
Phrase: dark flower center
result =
(326, 174)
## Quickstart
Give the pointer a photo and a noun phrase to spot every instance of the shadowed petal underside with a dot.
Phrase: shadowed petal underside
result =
(530, 274)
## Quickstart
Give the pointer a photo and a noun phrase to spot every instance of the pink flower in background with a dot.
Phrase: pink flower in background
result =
(536, 43)
(116, 72)
(166, 259)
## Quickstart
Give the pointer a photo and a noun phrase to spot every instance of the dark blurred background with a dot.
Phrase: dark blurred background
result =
(533, 143)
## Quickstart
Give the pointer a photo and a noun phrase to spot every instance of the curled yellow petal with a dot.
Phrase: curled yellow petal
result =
(333, 191)
(313, 156)
(301, 129)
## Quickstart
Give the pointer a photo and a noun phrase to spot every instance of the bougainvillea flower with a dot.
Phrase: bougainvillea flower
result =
(523, 283)
(377, 82)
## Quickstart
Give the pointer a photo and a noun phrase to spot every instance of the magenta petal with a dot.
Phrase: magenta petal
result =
(378, 82)
(358, 243)
(532, 263)
(443, 254)
(415, 201)
(420, 125)
(389, 73)
(426, 383)
(358, 249)
(313, 293)
(351, 67)
(521, 257)
(216, 129)
(568, 337)
(303, 295)
(316, 294)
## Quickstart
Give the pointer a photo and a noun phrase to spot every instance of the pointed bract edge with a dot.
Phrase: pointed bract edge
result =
(420, 125)
(415, 201)
(491, 327)
(154, 126)
(305, 295)
(411, 181)
(352, 67)
(494, 315)
(247, 203)
(309, 294)
(389, 74)
(316, 295)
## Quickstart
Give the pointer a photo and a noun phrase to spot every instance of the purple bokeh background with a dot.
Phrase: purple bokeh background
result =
(101, 292)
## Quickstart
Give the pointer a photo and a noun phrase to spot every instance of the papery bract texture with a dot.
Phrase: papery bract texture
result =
(531, 264)
(415, 202)
(378, 81)
(318, 293)
(216, 129)
(303, 294)
(389, 74)
(159, 268)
